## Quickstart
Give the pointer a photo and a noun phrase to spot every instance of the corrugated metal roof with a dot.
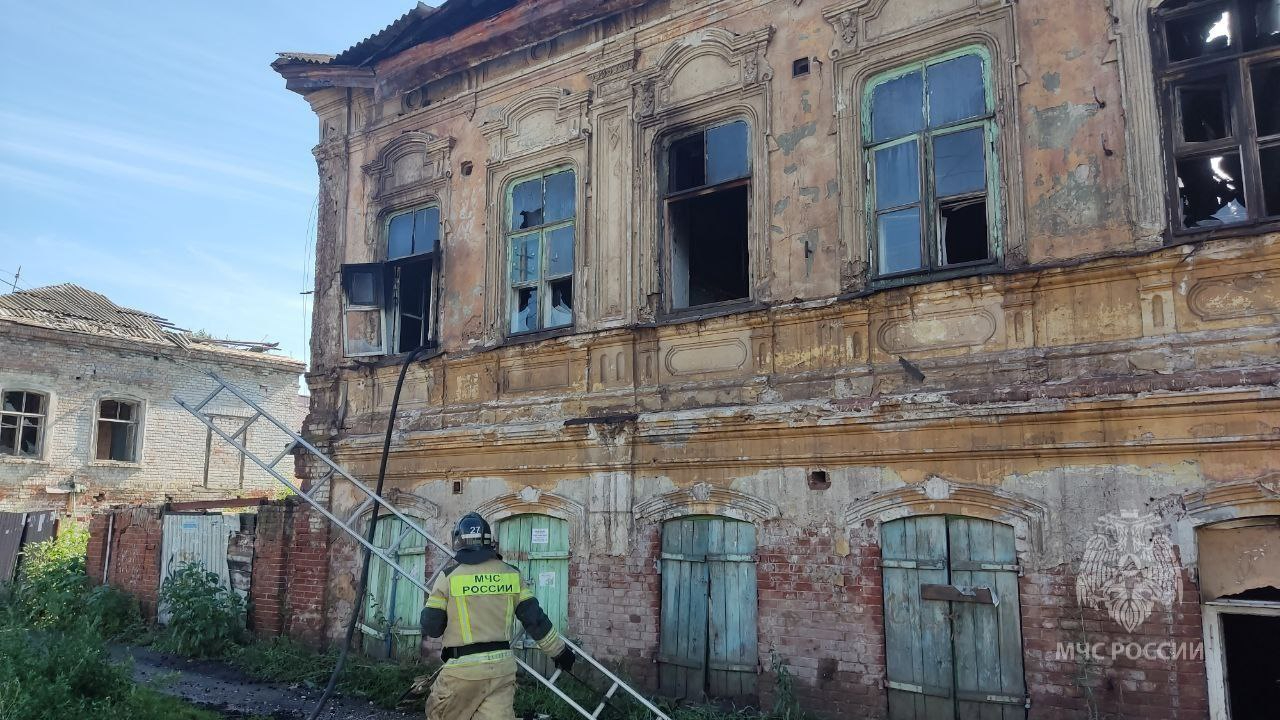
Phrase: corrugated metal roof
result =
(71, 308)
(313, 58)
(367, 48)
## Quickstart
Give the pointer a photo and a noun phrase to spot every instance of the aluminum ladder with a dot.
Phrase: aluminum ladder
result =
(237, 440)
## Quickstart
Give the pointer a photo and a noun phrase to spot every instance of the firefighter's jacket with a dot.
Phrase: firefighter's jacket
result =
(475, 600)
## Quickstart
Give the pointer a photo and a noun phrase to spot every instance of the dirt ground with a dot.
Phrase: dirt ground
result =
(224, 689)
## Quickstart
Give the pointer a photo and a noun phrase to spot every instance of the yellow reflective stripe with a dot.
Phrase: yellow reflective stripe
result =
(548, 641)
(438, 603)
(526, 594)
(511, 607)
(484, 584)
(464, 619)
(481, 658)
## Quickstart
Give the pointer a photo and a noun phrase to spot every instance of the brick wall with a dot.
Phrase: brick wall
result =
(307, 573)
(613, 607)
(77, 371)
(133, 564)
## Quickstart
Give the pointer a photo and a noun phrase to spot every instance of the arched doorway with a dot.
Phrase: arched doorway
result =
(953, 636)
(708, 635)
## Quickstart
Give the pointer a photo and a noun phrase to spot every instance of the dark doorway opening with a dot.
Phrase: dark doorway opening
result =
(1252, 664)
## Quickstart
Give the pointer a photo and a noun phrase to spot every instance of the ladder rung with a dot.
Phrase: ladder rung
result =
(245, 427)
(604, 702)
(287, 450)
(210, 397)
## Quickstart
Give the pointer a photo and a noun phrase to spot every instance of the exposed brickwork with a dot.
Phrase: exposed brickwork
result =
(134, 562)
(307, 575)
(270, 558)
(1109, 687)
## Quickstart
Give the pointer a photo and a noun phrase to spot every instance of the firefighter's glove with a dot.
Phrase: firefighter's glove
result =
(564, 661)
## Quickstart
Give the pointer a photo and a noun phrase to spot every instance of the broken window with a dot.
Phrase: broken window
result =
(1220, 73)
(930, 134)
(708, 198)
(117, 431)
(389, 307)
(22, 420)
(540, 237)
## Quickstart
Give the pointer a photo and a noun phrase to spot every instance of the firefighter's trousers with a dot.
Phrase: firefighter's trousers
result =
(477, 687)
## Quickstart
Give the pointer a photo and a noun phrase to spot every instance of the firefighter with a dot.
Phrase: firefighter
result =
(471, 606)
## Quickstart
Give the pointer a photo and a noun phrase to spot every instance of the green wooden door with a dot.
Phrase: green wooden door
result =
(393, 605)
(708, 636)
(538, 546)
(953, 639)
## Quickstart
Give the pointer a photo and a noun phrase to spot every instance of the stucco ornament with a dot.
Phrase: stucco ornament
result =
(1129, 567)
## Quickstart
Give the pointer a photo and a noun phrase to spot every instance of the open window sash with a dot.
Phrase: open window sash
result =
(364, 300)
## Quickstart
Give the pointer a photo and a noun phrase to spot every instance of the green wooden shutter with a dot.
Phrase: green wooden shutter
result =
(538, 546)
(393, 604)
(708, 633)
(987, 637)
(953, 641)
(917, 634)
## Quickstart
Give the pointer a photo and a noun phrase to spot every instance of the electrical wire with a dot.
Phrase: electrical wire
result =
(369, 534)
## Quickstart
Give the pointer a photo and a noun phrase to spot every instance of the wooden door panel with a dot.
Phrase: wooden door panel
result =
(917, 635)
(733, 654)
(538, 546)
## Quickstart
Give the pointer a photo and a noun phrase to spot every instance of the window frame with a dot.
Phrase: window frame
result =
(137, 423)
(392, 316)
(543, 281)
(41, 427)
(666, 198)
(931, 241)
(1236, 65)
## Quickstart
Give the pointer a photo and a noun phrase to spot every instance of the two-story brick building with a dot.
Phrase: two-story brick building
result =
(88, 417)
(929, 348)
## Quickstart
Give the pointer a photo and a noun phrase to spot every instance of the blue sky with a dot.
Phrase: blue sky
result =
(148, 152)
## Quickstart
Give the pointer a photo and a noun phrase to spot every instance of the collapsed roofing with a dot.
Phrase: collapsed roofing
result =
(71, 308)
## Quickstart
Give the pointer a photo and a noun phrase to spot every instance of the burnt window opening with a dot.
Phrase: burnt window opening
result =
(930, 143)
(800, 67)
(389, 307)
(1250, 663)
(540, 238)
(708, 204)
(117, 439)
(1218, 68)
(22, 421)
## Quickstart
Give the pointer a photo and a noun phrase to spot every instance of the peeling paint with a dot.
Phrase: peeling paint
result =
(1056, 127)
(789, 140)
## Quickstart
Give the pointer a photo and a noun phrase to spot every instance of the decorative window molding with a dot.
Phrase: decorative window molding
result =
(706, 499)
(407, 164)
(707, 78)
(872, 37)
(1233, 501)
(938, 496)
(532, 501)
(411, 504)
(540, 129)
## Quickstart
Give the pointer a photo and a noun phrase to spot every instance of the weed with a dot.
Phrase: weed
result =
(206, 619)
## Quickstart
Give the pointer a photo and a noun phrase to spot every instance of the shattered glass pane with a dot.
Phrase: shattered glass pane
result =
(898, 241)
(959, 165)
(686, 164)
(559, 197)
(524, 309)
(426, 229)
(524, 258)
(561, 310)
(1265, 18)
(897, 175)
(963, 227)
(727, 152)
(1211, 190)
(12, 401)
(956, 90)
(1271, 179)
(33, 403)
(1198, 34)
(1266, 98)
(1204, 110)
(526, 204)
(400, 236)
(8, 435)
(897, 107)
(29, 437)
(364, 332)
(560, 251)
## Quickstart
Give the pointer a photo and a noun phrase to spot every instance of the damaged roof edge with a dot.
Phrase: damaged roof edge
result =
(429, 42)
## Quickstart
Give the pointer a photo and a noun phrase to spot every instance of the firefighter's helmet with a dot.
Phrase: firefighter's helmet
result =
(472, 531)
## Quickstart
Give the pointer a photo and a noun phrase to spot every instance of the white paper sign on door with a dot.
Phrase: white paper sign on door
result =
(541, 536)
(547, 579)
